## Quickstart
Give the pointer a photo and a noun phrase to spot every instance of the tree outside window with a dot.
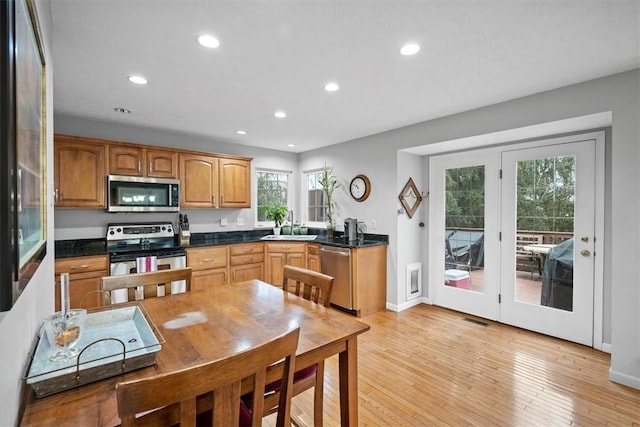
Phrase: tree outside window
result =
(273, 189)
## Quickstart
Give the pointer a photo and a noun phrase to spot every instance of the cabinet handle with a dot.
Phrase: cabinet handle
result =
(225, 277)
(285, 247)
(75, 267)
(149, 167)
(139, 166)
(207, 259)
(56, 194)
(247, 250)
(248, 258)
(213, 200)
(221, 199)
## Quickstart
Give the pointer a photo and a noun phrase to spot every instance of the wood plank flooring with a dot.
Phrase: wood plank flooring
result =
(428, 366)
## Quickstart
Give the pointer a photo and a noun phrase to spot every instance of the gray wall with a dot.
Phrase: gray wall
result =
(18, 327)
(91, 223)
(619, 94)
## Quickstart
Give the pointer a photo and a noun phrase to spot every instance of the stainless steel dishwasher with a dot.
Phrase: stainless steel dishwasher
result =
(336, 262)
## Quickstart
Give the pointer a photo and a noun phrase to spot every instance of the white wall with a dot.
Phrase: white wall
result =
(18, 326)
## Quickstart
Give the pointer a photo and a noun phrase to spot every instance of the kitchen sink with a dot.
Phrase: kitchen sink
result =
(290, 237)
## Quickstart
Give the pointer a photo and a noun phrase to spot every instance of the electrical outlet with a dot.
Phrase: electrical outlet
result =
(373, 224)
(223, 222)
(240, 221)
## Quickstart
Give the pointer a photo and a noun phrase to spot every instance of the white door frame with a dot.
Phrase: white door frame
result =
(435, 276)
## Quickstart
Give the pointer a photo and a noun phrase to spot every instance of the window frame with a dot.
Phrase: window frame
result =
(305, 202)
(258, 171)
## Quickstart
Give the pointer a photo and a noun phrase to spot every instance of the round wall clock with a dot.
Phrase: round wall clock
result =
(360, 188)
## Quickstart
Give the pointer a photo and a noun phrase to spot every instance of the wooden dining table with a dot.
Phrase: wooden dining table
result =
(205, 325)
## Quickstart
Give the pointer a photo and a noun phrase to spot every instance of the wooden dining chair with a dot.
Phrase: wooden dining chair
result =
(153, 283)
(316, 287)
(174, 395)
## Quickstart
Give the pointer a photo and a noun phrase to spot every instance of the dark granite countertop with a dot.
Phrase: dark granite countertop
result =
(89, 247)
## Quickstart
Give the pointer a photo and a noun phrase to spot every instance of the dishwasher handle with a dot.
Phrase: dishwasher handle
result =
(337, 251)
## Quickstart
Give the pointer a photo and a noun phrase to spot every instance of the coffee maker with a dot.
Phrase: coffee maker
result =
(350, 229)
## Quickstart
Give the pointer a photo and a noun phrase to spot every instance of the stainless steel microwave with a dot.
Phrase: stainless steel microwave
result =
(139, 194)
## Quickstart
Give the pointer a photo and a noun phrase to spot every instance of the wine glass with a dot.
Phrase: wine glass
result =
(63, 333)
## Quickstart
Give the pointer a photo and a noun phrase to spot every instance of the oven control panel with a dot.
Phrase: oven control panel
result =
(139, 231)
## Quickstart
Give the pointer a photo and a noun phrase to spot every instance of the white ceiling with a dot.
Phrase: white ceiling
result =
(278, 54)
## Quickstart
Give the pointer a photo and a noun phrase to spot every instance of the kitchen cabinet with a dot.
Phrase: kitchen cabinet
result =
(369, 278)
(247, 261)
(280, 254)
(134, 160)
(313, 256)
(79, 168)
(84, 280)
(235, 183)
(199, 181)
(212, 182)
(209, 266)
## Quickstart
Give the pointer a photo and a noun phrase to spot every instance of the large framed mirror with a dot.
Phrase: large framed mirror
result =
(23, 170)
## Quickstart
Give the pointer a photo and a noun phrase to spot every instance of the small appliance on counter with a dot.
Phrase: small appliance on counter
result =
(350, 229)
(185, 234)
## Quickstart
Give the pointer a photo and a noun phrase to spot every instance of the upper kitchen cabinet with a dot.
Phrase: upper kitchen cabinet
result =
(138, 161)
(198, 181)
(213, 182)
(235, 183)
(79, 169)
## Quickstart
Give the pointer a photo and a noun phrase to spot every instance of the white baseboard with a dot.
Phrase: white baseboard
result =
(407, 304)
(606, 347)
(624, 379)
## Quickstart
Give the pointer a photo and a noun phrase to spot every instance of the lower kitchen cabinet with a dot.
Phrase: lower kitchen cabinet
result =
(280, 254)
(208, 265)
(313, 256)
(369, 277)
(84, 280)
(247, 261)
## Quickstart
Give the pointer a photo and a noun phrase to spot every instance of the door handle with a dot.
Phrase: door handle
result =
(585, 253)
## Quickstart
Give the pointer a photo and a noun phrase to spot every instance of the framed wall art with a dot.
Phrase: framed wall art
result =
(410, 198)
(23, 198)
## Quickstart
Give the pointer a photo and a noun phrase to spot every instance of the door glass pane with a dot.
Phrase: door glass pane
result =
(544, 232)
(464, 228)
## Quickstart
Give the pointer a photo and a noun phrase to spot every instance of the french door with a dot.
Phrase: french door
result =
(512, 231)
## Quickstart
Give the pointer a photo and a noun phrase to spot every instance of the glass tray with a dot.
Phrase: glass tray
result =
(114, 341)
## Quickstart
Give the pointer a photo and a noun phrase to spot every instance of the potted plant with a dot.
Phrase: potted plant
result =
(329, 184)
(277, 213)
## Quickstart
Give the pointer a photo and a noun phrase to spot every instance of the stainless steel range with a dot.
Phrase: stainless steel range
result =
(143, 247)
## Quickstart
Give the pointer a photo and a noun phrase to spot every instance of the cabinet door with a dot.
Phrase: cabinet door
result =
(275, 267)
(125, 160)
(199, 181)
(296, 259)
(235, 183)
(247, 272)
(313, 257)
(84, 291)
(162, 163)
(79, 173)
(205, 278)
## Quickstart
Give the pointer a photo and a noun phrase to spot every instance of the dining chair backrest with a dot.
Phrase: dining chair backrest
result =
(309, 284)
(148, 280)
(223, 377)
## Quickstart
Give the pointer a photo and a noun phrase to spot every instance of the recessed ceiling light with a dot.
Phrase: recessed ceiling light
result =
(208, 41)
(139, 80)
(122, 110)
(331, 87)
(291, 145)
(241, 132)
(409, 49)
(280, 114)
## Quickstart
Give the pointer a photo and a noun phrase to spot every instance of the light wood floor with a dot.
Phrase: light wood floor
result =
(427, 366)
